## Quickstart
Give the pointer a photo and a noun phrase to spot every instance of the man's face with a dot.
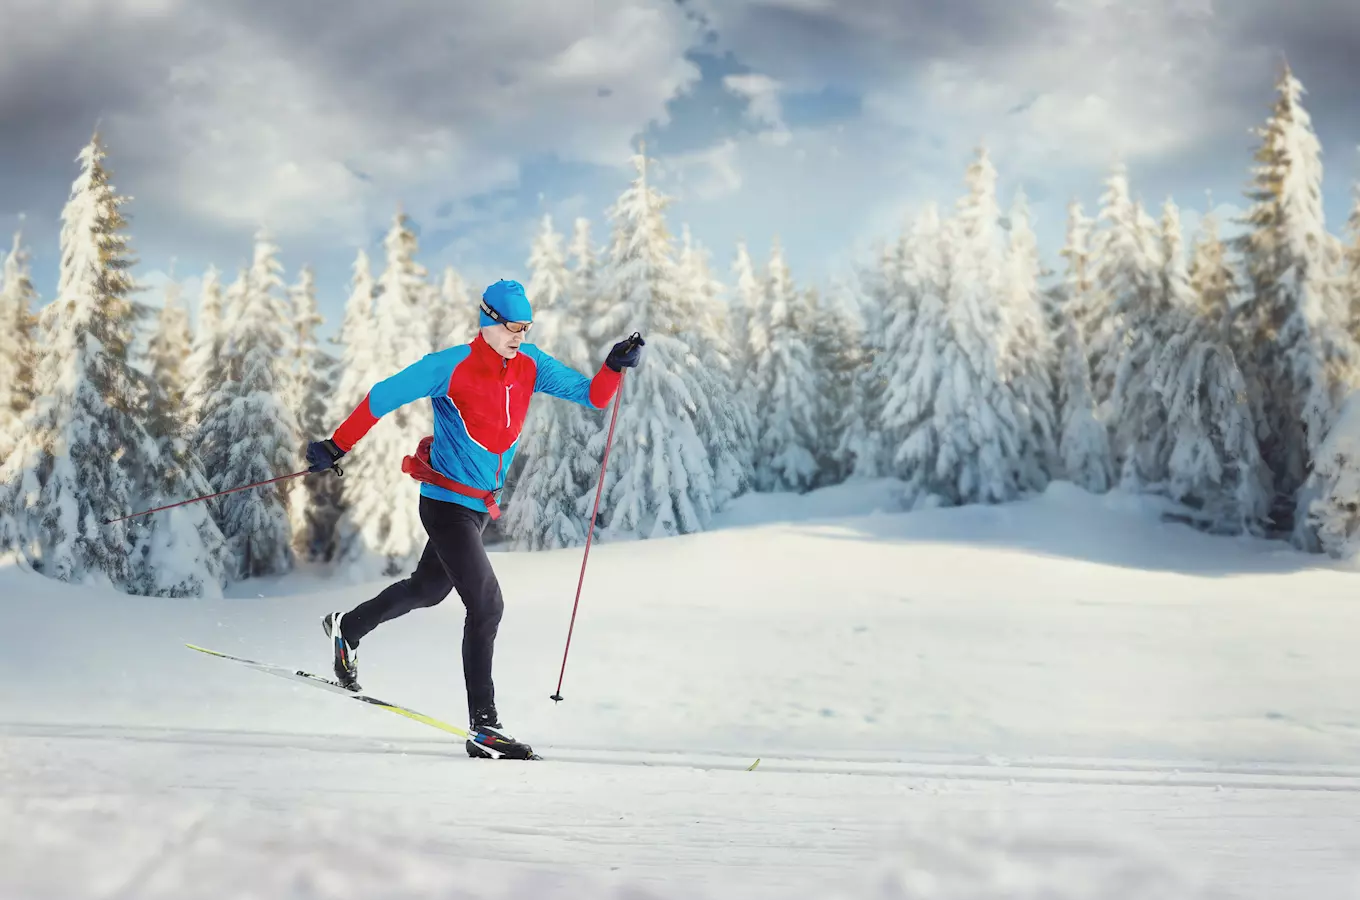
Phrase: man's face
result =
(503, 340)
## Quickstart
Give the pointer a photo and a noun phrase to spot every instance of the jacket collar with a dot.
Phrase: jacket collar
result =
(483, 352)
(486, 355)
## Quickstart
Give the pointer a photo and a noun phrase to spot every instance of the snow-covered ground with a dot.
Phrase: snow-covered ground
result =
(1057, 698)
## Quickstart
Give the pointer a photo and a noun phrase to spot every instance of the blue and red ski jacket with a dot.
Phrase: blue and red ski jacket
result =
(480, 401)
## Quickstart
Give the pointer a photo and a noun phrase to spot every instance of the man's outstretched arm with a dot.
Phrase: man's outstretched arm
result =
(426, 377)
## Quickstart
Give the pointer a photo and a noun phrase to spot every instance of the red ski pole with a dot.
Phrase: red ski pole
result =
(208, 497)
(604, 464)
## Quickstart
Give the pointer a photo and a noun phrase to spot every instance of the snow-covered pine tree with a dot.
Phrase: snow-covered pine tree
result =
(216, 363)
(1213, 461)
(836, 338)
(1334, 510)
(248, 434)
(1351, 276)
(1083, 442)
(543, 514)
(784, 383)
(550, 281)
(724, 415)
(1292, 338)
(266, 278)
(979, 423)
(584, 262)
(381, 499)
(882, 294)
(1128, 275)
(315, 501)
(354, 352)
(179, 552)
(748, 310)
(82, 442)
(1212, 278)
(1125, 267)
(354, 343)
(1027, 351)
(203, 370)
(170, 347)
(9, 531)
(1084, 303)
(911, 366)
(18, 349)
(1177, 294)
(659, 481)
(18, 356)
(456, 322)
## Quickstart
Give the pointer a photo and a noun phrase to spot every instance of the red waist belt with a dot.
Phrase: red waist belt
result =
(419, 468)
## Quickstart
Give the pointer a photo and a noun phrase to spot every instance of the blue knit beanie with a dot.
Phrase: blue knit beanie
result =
(509, 301)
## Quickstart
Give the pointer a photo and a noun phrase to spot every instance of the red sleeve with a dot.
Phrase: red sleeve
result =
(603, 386)
(355, 427)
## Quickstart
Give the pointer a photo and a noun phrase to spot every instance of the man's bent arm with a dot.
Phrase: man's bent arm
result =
(557, 379)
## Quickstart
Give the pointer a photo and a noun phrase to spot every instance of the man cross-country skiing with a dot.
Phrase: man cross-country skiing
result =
(481, 392)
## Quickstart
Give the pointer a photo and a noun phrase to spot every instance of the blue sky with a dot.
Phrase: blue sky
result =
(824, 124)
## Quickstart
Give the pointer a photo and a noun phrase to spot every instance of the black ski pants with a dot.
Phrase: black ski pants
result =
(454, 558)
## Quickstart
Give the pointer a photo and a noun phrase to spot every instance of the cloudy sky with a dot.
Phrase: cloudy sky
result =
(821, 122)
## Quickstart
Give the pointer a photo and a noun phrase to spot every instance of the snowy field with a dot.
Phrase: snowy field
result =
(1060, 698)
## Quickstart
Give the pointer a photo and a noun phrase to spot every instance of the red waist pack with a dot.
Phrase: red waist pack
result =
(419, 468)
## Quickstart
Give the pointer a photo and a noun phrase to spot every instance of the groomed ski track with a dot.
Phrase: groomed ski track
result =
(958, 767)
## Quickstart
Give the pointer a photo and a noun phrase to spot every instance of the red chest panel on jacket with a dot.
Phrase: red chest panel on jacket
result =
(492, 395)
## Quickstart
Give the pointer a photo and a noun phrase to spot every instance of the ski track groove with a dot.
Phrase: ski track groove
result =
(1121, 773)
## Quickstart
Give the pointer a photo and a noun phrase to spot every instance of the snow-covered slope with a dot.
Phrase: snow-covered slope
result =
(1069, 657)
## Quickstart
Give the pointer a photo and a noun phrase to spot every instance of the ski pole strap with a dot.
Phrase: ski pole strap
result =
(419, 468)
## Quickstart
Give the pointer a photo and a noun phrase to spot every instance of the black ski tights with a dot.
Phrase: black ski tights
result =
(454, 558)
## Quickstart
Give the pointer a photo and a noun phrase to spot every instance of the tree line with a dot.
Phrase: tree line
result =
(954, 364)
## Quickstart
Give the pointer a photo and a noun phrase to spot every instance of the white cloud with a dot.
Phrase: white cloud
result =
(762, 104)
(1097, 82)
(1067, 83)
(1056, 89)
(243, 117)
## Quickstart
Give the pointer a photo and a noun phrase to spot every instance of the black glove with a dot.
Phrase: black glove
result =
(626, 353)
(323, 455)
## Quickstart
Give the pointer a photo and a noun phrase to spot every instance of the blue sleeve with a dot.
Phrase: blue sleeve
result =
(426, 377)
(557, 379)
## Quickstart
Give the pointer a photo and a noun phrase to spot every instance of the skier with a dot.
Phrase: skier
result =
(481, 392)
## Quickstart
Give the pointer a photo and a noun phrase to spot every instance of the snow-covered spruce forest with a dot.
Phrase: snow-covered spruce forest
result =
(956, 365)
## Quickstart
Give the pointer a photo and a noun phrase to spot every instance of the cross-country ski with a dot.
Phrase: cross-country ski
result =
(489, 743)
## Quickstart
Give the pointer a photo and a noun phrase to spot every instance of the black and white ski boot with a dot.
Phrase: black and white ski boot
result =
(346, 657)
(487, 732)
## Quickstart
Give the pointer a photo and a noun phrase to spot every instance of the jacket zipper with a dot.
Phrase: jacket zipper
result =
(500, 462)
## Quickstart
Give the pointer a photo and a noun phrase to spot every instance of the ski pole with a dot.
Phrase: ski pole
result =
(604, 464)
(211, 496)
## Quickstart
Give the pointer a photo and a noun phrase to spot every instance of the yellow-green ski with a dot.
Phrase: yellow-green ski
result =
(337, 688)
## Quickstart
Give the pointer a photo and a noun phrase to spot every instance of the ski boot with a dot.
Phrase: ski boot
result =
(487, 730)
(346, 657)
